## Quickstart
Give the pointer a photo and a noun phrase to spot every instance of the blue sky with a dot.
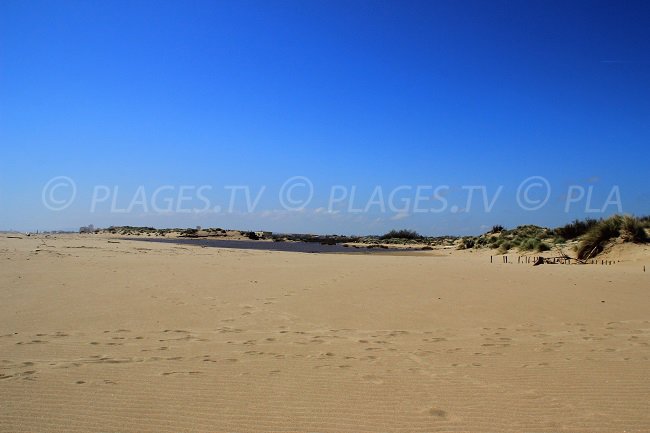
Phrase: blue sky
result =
(365, 94)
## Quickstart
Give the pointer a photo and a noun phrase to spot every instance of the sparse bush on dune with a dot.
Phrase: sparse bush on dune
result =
(594, 241)
(467, 243)
(529, 244)
(505, 247)
(524, 238)
(132, 230)
(480, 242)
(529, 231)
(252, 235)
(633, 230)
(189, 232)
(497, 229)
(629, 228)
(645, 222)
(401, 234)
(593, 235)
(575, 229)
(533, 244)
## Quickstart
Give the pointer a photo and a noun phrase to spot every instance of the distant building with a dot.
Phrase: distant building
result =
(87, 229)
(264, 235)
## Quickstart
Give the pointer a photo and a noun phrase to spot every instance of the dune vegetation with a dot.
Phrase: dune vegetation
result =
(592, 236)
(624, 227)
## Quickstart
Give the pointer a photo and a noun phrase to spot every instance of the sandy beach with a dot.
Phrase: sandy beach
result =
(105, 335)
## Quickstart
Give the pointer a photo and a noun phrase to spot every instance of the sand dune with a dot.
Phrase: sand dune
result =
(143, 337)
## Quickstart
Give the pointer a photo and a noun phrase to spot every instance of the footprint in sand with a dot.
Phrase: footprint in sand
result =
(228, 329)
(396, 333)
(437, 339)
(438, 413)
(372, 379)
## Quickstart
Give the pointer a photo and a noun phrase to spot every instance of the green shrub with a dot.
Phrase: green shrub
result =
(530, 244)
(467, 243)
(528, 231)
(575, 229)
(632, 230)
(481, 242)
(595, 240)
(645, 221)
(505, 247)
(543, 246)
(401, 234)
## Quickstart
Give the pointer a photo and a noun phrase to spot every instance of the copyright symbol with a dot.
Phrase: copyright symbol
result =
(288, 193)
(525, 201)
(59, 193)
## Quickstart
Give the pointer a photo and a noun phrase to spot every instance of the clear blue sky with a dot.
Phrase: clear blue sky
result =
(354, 93)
